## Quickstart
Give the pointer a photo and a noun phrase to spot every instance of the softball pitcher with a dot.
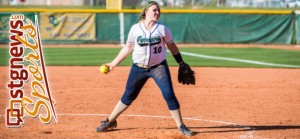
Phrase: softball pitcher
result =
(148, 40)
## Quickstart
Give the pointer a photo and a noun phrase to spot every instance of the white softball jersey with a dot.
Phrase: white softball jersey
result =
(149, 45)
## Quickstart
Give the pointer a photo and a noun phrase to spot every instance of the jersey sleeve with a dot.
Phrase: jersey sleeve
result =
(168, 36)
(130, 37)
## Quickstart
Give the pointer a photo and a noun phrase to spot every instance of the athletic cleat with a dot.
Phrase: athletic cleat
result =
(106, 125)
(185, 131)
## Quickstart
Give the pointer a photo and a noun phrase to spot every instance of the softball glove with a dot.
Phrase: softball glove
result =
(185, 74)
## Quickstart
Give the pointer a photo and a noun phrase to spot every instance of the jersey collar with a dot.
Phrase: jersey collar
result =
(152, 29)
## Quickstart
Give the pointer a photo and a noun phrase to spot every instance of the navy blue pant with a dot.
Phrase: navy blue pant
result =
(161, 75)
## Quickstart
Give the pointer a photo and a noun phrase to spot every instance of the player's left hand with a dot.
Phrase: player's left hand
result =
(186, 75)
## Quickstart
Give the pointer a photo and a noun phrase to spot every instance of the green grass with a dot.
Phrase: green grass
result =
(98, 56)
(274, 56)
(81, 56)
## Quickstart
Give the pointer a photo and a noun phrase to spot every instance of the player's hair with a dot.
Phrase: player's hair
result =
(143, 13)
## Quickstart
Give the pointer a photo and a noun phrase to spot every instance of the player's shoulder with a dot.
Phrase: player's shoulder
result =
(134, 25)
(162, 26)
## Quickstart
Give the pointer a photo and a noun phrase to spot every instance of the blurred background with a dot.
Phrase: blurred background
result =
(86, 23)
(197, 21)
(132, 4)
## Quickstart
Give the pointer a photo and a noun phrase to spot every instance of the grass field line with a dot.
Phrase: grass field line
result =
(238, 60)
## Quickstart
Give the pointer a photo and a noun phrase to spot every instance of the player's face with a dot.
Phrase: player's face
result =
(153, 13)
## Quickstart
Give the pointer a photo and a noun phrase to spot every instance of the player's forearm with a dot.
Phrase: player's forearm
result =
(125, 51)
(175, 52)
(173, 48)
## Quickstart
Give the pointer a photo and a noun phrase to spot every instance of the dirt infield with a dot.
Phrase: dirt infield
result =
(228, 103)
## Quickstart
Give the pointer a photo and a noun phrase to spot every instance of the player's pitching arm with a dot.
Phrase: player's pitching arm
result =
(124, 52)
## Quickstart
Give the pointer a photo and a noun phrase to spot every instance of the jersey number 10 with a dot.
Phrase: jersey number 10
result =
(157, 50)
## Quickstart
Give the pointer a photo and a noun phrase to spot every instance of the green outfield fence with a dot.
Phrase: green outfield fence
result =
(187, 26)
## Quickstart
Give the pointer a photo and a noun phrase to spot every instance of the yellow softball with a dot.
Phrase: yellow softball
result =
(104, 69)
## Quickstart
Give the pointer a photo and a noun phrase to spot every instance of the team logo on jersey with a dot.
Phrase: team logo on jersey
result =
(146, 41)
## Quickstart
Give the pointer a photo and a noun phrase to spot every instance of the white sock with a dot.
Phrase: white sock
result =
(177, 116)
(118, 110)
